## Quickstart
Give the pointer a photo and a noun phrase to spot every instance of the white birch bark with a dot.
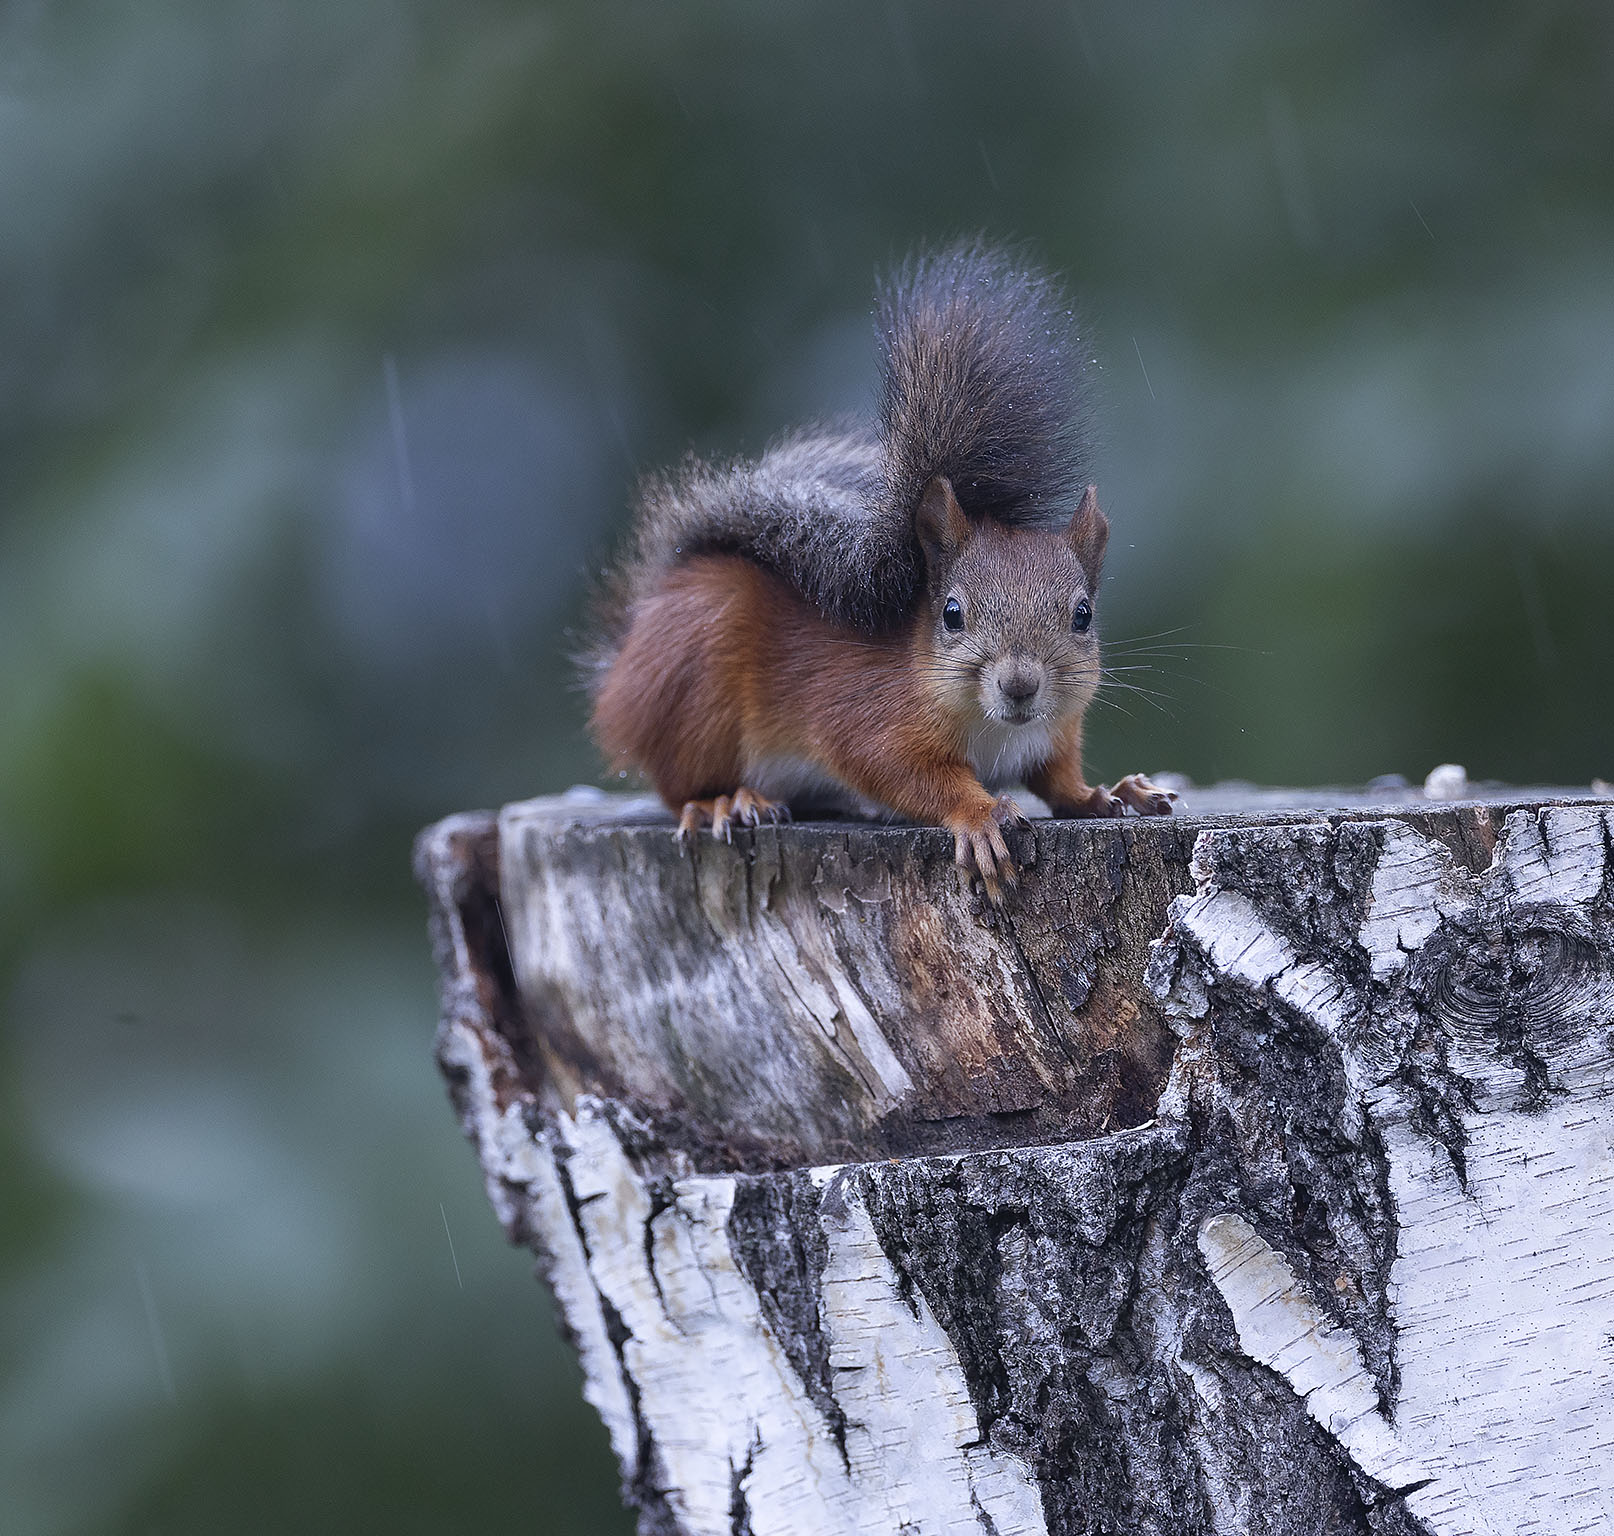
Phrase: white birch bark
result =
(1253, 1175)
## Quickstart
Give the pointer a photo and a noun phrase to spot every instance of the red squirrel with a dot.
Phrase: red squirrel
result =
(897, 620)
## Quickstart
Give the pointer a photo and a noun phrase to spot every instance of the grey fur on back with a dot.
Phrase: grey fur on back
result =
(982, 381)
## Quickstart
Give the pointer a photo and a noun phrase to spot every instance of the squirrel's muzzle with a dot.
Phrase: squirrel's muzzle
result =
(1019, 681)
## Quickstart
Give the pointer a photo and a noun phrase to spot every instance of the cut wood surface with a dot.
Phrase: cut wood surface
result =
(1253, 1171)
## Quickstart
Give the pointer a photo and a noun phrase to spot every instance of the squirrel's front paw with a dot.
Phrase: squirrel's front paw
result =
(1096, 801)
(979, 848)
(1145, 798)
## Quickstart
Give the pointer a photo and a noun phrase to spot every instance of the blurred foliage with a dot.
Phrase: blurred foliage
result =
(332, 340)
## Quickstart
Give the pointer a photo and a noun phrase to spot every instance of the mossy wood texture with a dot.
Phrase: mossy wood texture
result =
(1252, 1172)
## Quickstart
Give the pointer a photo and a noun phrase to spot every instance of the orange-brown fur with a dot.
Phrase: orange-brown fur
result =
(724, 666)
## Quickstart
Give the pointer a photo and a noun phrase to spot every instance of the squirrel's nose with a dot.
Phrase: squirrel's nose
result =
(1020, 684)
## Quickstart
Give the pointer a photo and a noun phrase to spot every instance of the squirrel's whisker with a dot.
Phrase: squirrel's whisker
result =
(1159, 634)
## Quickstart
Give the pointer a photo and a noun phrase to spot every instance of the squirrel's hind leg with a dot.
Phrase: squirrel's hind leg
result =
(720, 813)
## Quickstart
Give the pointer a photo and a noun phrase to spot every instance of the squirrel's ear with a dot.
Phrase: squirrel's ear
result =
(940, 521)
(1088, 533)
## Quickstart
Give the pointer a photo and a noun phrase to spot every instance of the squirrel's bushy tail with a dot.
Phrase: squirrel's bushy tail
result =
(982, 381)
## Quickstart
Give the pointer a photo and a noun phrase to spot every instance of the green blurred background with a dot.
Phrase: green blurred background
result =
(332, 338)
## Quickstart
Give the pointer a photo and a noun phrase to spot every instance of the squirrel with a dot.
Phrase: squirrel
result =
(888, 618)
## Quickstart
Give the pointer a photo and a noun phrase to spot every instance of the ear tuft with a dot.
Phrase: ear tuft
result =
(940, 522)
(1088, 534)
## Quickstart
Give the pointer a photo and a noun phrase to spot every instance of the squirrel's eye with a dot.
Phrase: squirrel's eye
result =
(953, 613)
(1082, 617)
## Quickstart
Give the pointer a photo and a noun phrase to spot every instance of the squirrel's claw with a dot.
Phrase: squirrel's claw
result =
(696, 814)
(752, 809)
(720, 813)
(1146, 798)
(980, 851)
(1007, 814)
(723, 818)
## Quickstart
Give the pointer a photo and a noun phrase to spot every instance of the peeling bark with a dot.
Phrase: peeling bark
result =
(1253, 1174)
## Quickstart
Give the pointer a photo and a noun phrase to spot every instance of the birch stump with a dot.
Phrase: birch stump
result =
(1251, 1174)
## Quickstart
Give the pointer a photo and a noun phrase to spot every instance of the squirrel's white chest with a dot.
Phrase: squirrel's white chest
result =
(1002, 754)
(807, 786)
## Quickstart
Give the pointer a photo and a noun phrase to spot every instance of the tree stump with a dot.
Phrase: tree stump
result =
(1253, 1172)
